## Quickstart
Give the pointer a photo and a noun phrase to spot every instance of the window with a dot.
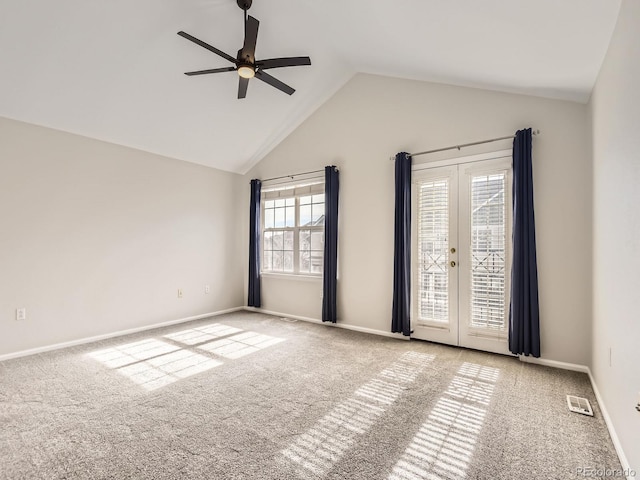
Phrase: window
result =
(293, 230)
(489, 251)
(433, 250)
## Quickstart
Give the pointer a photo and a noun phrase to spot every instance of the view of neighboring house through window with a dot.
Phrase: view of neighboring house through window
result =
(293, 230)
(488, 251)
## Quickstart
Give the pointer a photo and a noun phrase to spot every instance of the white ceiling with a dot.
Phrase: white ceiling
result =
(113, 70)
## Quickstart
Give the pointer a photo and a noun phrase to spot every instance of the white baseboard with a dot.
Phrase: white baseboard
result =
(605, 415)
(612, 431)
(72, 343)
(554, 363)
(329, 324)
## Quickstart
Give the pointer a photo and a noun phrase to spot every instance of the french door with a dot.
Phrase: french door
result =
(461, 253)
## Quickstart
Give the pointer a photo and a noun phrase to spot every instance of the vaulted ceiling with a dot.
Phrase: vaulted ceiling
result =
(113, 70)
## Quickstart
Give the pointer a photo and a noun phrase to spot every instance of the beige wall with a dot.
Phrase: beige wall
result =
(97, 238)
(374, 117)
(615, 110)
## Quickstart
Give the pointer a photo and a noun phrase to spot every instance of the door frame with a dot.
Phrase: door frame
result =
(452, 334)
(437, 332)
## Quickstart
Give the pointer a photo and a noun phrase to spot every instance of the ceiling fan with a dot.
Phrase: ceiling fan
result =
(246, 64)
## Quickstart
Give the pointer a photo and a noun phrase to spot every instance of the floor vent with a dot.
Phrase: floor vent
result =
(579, 405)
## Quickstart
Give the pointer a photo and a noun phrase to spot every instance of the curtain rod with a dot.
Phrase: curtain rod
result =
(535, 132)
(294, 175)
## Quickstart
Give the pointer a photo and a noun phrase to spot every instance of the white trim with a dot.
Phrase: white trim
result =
(461, 160)
(605, 414)
(295, 193)
(329, 324)
(555, 364)
(293, 187)
(292, 276)
(97, 338)
(612, 431)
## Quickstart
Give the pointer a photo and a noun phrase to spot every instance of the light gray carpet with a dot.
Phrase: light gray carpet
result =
(248, 395)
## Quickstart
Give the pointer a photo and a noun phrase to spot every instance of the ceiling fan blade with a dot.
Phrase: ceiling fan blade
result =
(282, 62)
(274, 82)
(250, 39)
(242, 87)
(207, 46)
(211, 70)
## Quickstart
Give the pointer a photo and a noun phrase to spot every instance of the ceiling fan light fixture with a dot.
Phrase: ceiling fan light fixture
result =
(246, 71)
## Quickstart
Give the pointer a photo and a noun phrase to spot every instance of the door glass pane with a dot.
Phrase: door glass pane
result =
(488, 251)
(433, 251)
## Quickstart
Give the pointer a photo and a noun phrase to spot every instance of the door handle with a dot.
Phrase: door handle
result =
(453, 263)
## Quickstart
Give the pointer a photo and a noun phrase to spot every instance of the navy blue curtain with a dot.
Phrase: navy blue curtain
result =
(254, 245)
(330, 271)
(400, 315)
(524, 312)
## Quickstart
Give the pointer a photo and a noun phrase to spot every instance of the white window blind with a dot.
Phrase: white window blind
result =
(292, 191)
(488, 251)
(433, 251)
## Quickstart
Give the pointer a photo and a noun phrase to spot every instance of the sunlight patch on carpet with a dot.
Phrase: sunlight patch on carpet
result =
(202, 334)
(152, 363)
(316, 451)
(240, 345)
(443, 446)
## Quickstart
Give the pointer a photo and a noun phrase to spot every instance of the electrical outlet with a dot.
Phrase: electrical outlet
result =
(21, 314)
(179, 293)
(207, 289)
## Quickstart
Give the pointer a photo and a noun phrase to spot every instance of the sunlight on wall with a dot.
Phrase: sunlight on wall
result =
(153, 363)
(317, 450)
(443, 447)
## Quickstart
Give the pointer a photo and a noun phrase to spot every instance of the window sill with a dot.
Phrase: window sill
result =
(292, 276)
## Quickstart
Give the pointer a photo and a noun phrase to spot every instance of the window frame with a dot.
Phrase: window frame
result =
(283, 192)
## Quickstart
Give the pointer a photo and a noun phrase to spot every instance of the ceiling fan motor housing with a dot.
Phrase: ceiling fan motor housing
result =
(245, 4)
